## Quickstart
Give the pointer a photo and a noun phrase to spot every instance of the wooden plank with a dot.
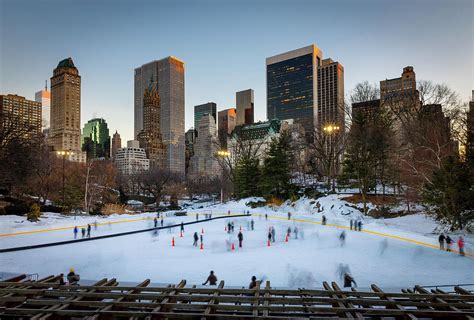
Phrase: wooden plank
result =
(348, 315)
(265, 298)
(344, 296)
(213, 301)
(256, 295)
(166, 299)
(398, 306)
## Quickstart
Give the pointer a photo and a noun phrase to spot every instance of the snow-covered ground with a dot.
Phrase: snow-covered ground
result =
(314, 257)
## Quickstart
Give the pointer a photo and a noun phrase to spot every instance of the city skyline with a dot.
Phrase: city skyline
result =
(108, 56)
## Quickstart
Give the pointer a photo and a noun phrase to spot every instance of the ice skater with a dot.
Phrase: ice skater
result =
(155, 222)
(273, 234)
(295, 231)
(196, 238)
(461, 246)
(182, 226)
(359, 225)
(323, 222)
(288, 232)
(266, 217)
(252, 224)
(351, 224)
(269, 235)
(161, 221)
(83, 232)
(289, 215)
(449, 243)
(253, 282)
(349, 280)
(240, 236)
(212, 279)
(229, 227)
(75, 232)
(342, 238)
(88, 230)
(441, 240)
(197, 216)
(201, 238)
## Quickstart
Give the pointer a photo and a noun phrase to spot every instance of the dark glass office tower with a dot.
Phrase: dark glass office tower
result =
(206, 108)
(292, 86)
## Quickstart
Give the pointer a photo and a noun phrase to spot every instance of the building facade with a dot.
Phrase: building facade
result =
(116, 143)
(150, 137)
(65, 121)
(292, 87)
(331, 109)
(226, 123)
(244, 102)
(169, 75)
(204, 163)
(190, 139)
(44, 97)
(96, 139)
(206, 108)
(132, 159)
(20, 117)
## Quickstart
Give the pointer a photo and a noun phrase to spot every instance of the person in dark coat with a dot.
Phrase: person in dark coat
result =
(196, 238)
(83, 232)
(288, 232)
(273, 234)
(342, 238)
(72, 277)
(88, 230)
(351, 224)
(266, 216)
(240, 236)
(155, 221)
(61, 279)
(251, 224)
(441, 240)
(449, 243)
(270, 235)
(348, 280)
(324, 220)
(161, 221)
(253, 282)
(212, 279)
(75, 232)
(182, 226)
(359, 224)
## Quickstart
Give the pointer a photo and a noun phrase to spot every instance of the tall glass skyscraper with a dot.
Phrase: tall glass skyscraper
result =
(202, 109)
(96, 139)
(292, 86)
(169, 75)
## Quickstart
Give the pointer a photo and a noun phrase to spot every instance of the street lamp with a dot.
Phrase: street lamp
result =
(223, 154)
(64, 154)
(332, 129)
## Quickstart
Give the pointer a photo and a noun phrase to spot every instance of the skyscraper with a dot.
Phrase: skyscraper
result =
(244, 101)
(203, 162)
(169, 75)
(65, 124)
(330, 95)
(96, 139)
(292, 86)
(399, 88)
(200, 110)
(44, 97)
(227, 122)
(19, 117)
(131, 159)
(150, 136)
(116, 143)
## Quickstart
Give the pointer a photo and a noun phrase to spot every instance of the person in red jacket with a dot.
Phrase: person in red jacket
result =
(461, 246)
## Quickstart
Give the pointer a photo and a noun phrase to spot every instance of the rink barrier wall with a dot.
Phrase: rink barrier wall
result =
(60, 243)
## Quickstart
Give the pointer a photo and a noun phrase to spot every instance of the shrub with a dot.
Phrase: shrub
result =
(34, 214)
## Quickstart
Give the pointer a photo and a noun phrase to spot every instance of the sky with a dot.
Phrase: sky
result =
(224, 45)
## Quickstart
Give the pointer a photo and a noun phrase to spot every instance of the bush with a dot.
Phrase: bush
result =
(34, 214)
(50, 208)
(18, 209)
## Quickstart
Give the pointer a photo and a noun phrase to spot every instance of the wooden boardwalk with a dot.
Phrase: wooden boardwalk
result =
(107, 299)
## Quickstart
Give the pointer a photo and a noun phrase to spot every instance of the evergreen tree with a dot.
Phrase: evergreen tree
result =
(247, 178)
(451, 193)
(276, 175)
(34, 214)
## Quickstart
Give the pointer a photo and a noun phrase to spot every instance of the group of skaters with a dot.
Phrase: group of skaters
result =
(212, 280)
(155, 221)
(85, 231)
(446, 243)
(356, 224)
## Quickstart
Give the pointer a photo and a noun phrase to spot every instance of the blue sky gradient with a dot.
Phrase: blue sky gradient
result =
(224, 45)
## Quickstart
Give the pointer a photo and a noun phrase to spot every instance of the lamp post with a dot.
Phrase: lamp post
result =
(64, 154)
(331, 130)
(223, 154)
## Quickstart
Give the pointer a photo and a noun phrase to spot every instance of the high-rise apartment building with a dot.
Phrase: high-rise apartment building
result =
(331, 109)
(190, 138)
(399, 88)
(226, 124)
(65, 123)
(20, 117)
(206, 108)
(116, 143)
(244, 102)
(169, 76)
(150, 137)
(96, 139)
(292, 87)
(132, 159)
(204, 162)
(44, 97)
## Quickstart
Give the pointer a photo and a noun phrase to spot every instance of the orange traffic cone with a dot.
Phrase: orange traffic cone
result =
(172, 242)
(202, 247)
(268, 242)
(202, 231)
(286, 238)
(233, 248)
(181, 234)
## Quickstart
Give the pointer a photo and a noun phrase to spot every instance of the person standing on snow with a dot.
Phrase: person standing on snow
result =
(266, 216)
(201, 239)
(212, 279)
(441, 240)
(270, 235)
(348, 280)
(83, 232)
(155, 221)
(324, 220)
(342, 238)
(351, 224)
(75, 232)
(289, 215)
(251, 225)
(273, 234)
(182, 226)
(161, 221)
(449, 243)
(359, 224)
(240, 236)
(88, 230)
(461, 246)
(295, 231)
(195, 239)
(288, 232)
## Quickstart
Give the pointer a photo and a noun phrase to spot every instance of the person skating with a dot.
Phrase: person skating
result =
(270, 235)
(351, 224)
(240, 236)
(196, 238)
(342, 238)
(441, 240)
(182, 226)
(197, 216)
(232, 226)
(83, 232)
(229, 227)
(155, 221)
(348, 280)
(251, 225)
(461, 246)
(324, 220)
(253, 282)
(273, 234)
(449, 243)
(288, 232)
(75, 232)
(359, 225)
(295, 231)
(212, 279)
(289, 215)
(266, 216)
(88, 230)
(72, 277)
(201, 238)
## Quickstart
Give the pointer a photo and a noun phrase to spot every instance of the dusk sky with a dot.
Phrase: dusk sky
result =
(224, 45)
